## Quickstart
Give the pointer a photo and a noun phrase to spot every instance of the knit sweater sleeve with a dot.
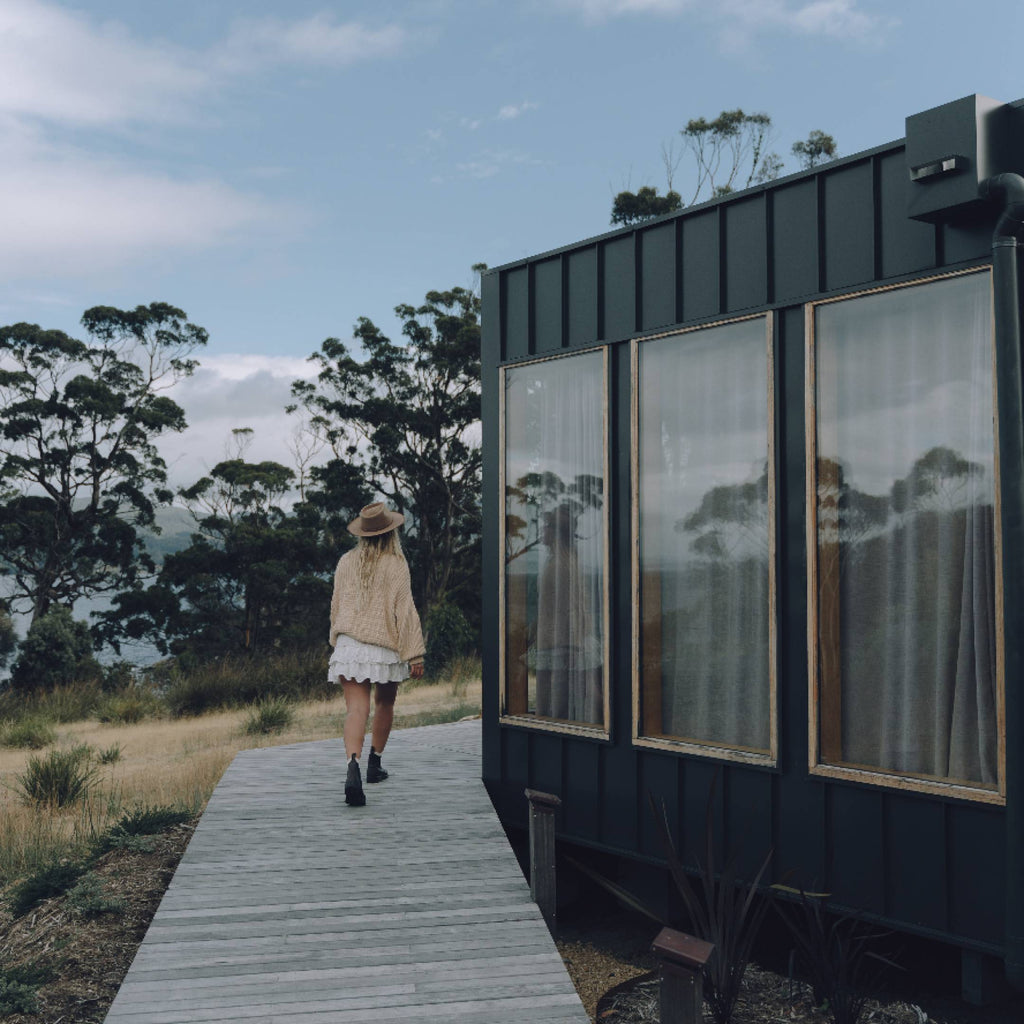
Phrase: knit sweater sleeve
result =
(407, 620)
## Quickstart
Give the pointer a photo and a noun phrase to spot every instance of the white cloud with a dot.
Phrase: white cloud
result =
(511, 111)
(491, 162)
(66, 211)
(60, 67)
(228, 392)
(740, 19)
(318, 39)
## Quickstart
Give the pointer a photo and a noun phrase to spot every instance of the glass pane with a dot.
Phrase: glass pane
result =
(906, 552)
(704, 537)
(554, 539)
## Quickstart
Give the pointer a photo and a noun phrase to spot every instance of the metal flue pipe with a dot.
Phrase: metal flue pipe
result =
(1009, 190)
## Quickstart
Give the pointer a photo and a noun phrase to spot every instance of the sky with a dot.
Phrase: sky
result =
(278, 170)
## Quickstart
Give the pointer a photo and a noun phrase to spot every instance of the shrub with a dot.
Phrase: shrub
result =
(60, 778)
(128, 707)
(111, 755)
(128, 832)
(834, 954)
(31, 733)
(89, 898)
(448, 636)
(16, 997)
(274, 714)
(57, 651)
(54, 879)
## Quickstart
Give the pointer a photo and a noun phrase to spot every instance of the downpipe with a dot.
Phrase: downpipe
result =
(1009, 190)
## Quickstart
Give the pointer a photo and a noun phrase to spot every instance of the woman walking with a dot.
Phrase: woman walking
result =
(376, 635)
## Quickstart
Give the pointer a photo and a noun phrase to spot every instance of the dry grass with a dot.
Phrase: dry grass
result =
(178, 762)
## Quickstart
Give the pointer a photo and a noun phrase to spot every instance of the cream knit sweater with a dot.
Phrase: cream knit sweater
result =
(385, 615)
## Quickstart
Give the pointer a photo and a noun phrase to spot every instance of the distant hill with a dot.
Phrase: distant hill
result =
(176, 527)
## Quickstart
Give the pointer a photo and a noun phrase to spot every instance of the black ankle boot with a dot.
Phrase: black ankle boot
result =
(374, 772)
(354, 784)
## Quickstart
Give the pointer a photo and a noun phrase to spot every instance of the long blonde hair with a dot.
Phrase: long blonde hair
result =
(372, 550)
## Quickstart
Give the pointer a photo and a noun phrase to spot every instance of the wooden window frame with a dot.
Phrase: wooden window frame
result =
(754, 756)
(866, 774)
(600, 731)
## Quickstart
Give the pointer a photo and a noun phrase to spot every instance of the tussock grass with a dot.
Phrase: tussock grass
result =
(270, 715)
(177, 763)
(29, 733)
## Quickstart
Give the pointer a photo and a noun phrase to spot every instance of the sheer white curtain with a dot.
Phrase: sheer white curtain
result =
(904, 419)
(704, 542)
(555, 501)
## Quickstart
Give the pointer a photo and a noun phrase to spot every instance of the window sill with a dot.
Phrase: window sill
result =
(909, 783)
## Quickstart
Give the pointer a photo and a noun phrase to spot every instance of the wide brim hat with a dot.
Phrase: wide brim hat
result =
(375, 519)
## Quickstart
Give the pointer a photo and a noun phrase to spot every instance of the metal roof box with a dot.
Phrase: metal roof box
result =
(951, 149)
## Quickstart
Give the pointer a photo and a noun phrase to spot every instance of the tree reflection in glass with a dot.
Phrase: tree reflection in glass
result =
(554, 539)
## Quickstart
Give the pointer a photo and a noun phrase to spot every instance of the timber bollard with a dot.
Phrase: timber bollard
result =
(542, 853)
(681, 958)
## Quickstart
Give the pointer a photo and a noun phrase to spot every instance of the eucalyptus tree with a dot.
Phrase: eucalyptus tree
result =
(80, 473)
(407, 415)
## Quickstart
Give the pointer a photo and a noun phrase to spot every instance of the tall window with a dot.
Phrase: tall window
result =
(704, 515)
(553, 572)
(902, 546)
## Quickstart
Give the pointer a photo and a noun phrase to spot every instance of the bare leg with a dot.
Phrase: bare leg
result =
(383, 713)
(357, 711)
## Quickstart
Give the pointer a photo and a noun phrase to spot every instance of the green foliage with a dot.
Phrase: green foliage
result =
(448, 637)
(633, 207)
(834, 953)
(16, 997)
(8, 636)
(240, 681)
(56, 652)
(109, 756)
(89, 898)
(404, 416)
(273, 714)
(30, 733)
(129, 706)
(131, 830)
(58, 779)
(817, 148)
(61, 705)
(52, 879)
(79, 468)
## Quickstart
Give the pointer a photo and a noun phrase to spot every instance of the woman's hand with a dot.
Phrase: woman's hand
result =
(416, 670)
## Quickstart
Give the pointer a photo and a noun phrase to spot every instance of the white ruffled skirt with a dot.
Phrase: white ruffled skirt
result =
(355, 660)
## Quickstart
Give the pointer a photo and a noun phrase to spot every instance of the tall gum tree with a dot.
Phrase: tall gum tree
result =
(407, 415)
(79, 470)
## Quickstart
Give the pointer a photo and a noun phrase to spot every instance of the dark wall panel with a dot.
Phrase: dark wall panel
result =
(748, 818)
(517, 313)
(581, 301)
(961, 242)
(619, 812)
(619, 288)
(659, 778)
(700, 266)
(546, 762)
(906, 245)
(746, 254)
(977, 867)
(696, 791)
(658, 270)
(547, 305)
(515, 769)
(849, 226)
(856, 847)
(915, 869)
(794, 240)
(582, 796)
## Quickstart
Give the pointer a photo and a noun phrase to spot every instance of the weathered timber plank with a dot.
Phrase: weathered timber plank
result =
(291, 908)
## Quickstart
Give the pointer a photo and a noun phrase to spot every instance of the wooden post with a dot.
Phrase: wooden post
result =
(681, 958)
(542, 853)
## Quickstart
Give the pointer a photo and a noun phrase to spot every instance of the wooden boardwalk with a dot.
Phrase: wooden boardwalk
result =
(290, 907)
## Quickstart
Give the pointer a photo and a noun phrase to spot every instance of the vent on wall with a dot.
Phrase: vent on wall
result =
(953, 148)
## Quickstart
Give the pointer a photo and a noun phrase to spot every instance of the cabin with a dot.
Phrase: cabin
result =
(754, 513)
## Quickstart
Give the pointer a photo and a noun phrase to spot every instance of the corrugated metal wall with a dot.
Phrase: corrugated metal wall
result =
(925, 863)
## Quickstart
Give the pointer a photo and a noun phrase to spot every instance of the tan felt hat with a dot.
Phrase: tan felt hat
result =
(374, 520)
